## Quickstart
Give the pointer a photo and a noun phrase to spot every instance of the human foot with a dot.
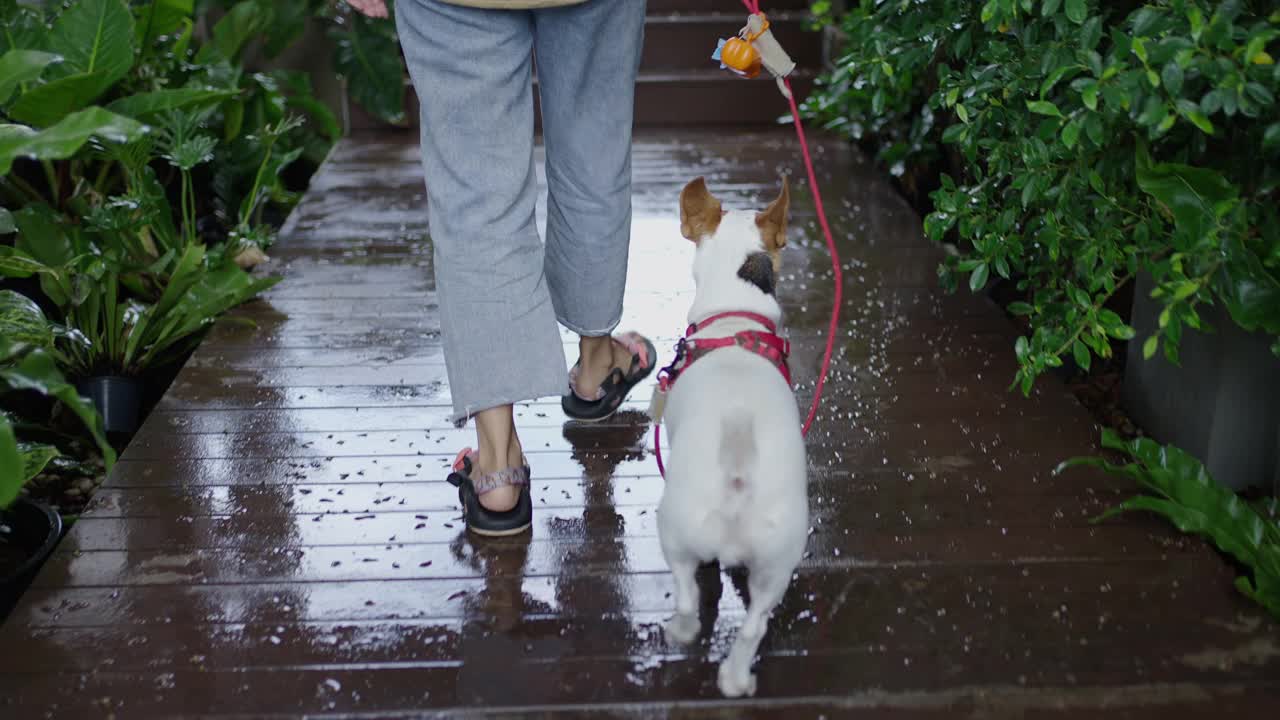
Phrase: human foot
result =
(597, 357)
(607, 370)
(473, 485)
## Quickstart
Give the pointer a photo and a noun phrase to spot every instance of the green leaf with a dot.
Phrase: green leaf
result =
(1020, 308)
(95, 37)
(1089, 95)
(1050, 7)
(22, 66)
(163, 17)
(16, 264)
(1271, 138)
(1139, 48)
(1044, 107)
(65, 138)
(1080, 354)
(1071, 134)
(6, 222)
(954, 134)
(962, 112)
(1249, 289)
(145, 104)
(241, 23)
(978, 279)
(47, 104)
(370, 62)
(1172, 77)
(1077, 10)
(1197, 197)
(35, 458)
(12, 465)
(1198, 119)
(1091, 33)
(1149, 347)
(22, 321)
(1021, 348)
(288, 24)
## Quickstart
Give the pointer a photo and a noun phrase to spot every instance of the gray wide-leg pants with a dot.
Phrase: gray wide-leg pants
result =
(501, 290)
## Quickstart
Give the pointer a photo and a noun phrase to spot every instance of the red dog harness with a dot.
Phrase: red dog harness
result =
(766, 344)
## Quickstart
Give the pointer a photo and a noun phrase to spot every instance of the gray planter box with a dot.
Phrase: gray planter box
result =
(1222, 405)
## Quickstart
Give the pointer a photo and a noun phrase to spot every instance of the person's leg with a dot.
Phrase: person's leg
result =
(587, 59)
(471, 69)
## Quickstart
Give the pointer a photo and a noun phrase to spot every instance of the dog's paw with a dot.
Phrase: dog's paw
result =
(682, 628)
(734, 683)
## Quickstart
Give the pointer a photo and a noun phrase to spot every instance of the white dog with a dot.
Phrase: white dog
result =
(736, 481)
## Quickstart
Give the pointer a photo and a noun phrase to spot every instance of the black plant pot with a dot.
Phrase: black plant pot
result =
(29, 530)
(117, 399)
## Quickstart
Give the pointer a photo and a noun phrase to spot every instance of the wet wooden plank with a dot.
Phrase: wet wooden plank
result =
(1026, 617)
(985, 589)
(668, 679)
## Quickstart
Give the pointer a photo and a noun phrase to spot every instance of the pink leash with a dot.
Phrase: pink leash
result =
(753, 7)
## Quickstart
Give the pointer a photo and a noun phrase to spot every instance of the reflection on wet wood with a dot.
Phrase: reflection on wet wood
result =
(278, 538)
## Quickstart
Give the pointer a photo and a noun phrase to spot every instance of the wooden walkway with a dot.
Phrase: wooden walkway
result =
(278, 538)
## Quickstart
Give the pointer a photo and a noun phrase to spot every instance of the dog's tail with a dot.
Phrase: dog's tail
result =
(737, 450)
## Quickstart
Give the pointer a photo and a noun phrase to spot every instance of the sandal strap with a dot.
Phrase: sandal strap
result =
(638, 346)
(482, 484)
(506, 477)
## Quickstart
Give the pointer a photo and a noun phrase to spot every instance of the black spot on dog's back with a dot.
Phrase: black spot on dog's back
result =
(758, 270)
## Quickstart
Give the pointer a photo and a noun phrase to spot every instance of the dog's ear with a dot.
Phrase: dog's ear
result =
(773, 222)
(700, 211)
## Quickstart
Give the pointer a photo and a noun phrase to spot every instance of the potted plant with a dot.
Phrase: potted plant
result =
(29, 529)
(113, 331)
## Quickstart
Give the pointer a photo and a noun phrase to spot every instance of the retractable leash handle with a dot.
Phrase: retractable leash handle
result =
(755, 48)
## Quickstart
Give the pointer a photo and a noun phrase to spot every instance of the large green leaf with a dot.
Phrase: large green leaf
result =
(288, 23)
(23, 28)
(231, 33)
(45, 105)
(35, 457)
(1197, 197)
(369, 59)
(42, 237)
(142, 105)
(17, 264)
(12, 465)
(95, 36)
(21, 66)
(22, 320)
(65, 138)
(38, 372)
(160, 18)
(1251, 292)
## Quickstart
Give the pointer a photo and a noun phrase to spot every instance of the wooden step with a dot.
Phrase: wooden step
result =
(685, 42)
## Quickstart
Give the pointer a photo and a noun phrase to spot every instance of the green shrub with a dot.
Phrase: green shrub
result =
(1094, 142)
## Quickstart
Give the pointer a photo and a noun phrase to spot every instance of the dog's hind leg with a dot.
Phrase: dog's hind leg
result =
(683, 627)
(766, 592)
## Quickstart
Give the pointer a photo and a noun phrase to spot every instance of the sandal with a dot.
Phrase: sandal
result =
(616, 386)
(481, 520)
